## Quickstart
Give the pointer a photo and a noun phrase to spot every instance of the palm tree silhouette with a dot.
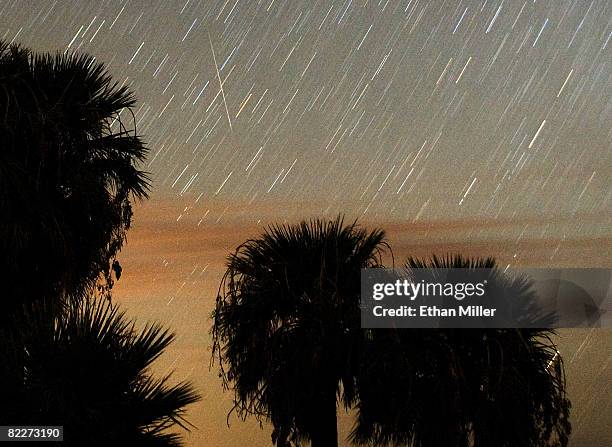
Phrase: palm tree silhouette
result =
(88, 369)
(463, 387)
(68, 172)
(286, 328)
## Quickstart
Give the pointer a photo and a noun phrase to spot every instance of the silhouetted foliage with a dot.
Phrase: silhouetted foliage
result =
(68, 174)
(286, 326)
(68, 169)
(463, 387)
(88, 369)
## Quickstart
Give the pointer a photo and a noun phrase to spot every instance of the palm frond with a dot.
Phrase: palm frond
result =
(503, 387)
(287, 320)
(88, 368)
(69, 170)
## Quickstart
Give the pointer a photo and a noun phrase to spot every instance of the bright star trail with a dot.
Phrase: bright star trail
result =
(483, 126)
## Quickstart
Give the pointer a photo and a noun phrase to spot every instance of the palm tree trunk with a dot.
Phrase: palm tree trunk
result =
(325, 432)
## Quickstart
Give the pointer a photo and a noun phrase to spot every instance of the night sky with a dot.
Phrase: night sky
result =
(422, 114)
(394, 109)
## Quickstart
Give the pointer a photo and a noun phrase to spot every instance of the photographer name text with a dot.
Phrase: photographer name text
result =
(415, 290)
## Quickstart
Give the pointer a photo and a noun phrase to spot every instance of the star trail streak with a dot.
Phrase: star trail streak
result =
(517, 91)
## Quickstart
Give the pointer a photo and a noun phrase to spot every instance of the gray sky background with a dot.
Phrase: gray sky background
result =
(438, 109)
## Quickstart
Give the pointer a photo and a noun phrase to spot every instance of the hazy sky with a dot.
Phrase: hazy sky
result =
(476, 126)
(407, 109)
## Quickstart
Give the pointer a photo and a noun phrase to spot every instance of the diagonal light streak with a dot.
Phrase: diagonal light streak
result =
(229, 120)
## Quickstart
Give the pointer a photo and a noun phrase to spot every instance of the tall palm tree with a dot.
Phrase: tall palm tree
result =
(68, 173)
(286, 328)
(88, 369)
(463, 387)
